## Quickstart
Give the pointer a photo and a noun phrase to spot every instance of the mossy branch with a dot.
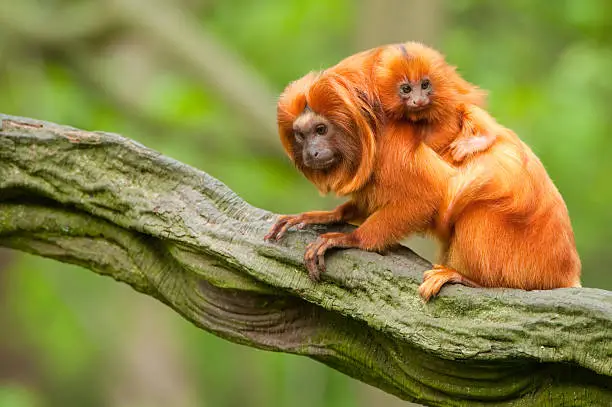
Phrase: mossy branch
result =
(175, 233)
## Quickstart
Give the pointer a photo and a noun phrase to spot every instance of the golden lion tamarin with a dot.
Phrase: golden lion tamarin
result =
(335, 137)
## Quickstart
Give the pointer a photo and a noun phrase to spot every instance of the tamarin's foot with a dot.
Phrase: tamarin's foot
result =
(314, 257)
(283, 223)
(434, 279)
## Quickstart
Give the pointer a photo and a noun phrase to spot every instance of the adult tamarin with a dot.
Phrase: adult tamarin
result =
(334, 135)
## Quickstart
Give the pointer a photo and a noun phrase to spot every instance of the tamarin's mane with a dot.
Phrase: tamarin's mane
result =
(350, 109)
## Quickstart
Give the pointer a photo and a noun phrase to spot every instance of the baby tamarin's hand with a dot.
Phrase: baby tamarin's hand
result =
(462, 148)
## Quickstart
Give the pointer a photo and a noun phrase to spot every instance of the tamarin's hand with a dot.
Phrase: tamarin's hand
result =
(285, 222)
(314, 257)
(462, 148)
(343, 213)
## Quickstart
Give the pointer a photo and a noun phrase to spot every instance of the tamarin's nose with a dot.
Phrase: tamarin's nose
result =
(320, 154)
(420, 102)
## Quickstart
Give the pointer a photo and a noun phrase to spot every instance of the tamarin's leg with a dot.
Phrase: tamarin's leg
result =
(381, 230)
(434, 279)
(342, 213)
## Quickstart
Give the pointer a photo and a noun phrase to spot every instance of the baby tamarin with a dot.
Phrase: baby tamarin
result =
(334, 135)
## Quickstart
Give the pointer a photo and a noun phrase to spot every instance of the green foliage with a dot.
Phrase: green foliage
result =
(17, 396)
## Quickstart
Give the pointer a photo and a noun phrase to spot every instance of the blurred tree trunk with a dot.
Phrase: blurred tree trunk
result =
(388, 21)
(149, 367)
(16, 362)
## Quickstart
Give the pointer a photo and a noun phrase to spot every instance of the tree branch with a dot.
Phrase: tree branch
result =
(175, 233)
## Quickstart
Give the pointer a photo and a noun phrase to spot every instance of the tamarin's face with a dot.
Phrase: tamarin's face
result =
(315, 141)
(415, 94)
(412, 81)
(328, 128)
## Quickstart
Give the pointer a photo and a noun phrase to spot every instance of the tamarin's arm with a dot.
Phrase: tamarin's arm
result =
(343, 213)
(383, 229)
(478, 133)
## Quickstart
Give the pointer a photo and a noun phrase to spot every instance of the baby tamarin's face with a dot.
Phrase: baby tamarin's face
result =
(415, 94)
(411, 81)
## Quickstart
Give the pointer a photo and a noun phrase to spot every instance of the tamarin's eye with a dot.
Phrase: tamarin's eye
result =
(425, 84)
(299, 137)
(405, 88)
(321, 129)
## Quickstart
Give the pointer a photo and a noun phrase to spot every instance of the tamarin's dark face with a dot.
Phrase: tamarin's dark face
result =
(316, 144)
(416, 95)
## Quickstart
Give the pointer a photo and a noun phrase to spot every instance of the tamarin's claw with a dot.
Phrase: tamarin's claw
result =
(314, 257)
(283, 223)
(434, 279)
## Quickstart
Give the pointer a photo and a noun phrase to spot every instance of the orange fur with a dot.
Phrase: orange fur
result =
(331, 94)
(453, 126)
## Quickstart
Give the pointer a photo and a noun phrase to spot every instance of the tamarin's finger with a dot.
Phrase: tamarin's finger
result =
(310, 261)
(282, 230)
(272, 234)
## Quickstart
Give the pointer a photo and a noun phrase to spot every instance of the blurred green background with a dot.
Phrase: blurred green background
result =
(197, 80)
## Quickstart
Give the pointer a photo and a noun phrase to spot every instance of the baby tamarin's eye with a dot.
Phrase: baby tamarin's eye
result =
(299, 137)
(425, 84)
(321, 129)
(405, 88)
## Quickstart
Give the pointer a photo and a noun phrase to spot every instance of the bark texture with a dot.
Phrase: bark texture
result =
(117, 208)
